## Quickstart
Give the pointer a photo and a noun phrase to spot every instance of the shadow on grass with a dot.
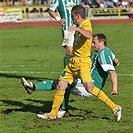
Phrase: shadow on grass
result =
(20, 76)
(80, 114)
(27, 107)
(46, 107)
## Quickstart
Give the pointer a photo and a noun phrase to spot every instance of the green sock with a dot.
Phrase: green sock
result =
(66, 59)
(64, 104)
(45, 85)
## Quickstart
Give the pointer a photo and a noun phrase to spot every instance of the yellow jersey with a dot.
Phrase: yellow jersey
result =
(82, 45)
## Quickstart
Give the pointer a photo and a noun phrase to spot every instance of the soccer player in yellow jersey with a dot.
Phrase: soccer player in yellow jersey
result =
(79, 66)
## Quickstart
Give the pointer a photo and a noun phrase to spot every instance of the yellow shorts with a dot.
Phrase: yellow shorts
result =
(77, 68)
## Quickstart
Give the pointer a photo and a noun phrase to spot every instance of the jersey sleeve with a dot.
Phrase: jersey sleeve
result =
(54, 5)
(113, 56)
(106, 61)
(87, 26)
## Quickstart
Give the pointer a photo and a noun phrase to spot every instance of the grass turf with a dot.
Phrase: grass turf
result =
(36, 54)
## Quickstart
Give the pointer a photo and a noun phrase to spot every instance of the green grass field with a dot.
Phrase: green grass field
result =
(36, 54)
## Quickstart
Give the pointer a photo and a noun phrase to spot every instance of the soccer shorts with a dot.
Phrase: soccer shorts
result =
(68, 38)
(77, 68)
(80, 91)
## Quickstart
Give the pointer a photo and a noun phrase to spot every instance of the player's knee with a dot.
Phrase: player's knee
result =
(62, 85)
(58, 87)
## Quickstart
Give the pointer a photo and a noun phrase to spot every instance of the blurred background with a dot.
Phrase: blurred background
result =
(36, 10)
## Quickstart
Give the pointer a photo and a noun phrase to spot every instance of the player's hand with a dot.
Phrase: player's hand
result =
(62, 21)
(116, 62)
(71, 28)
(115, 93)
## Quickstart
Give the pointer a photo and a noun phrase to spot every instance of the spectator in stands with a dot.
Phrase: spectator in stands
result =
(115, 2)
(102, 4)
(131, 9)
(86, 2)
(13, 2)
(131, 3)
(91, 3)
(44, 2)
(81, 2)
(118, 4)
(33, 2)
(124, 3)
(109, 4)
(95, 3)
(28, 2)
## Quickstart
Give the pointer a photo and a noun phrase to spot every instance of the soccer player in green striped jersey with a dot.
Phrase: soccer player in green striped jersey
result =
(103, 63)
(64, 8)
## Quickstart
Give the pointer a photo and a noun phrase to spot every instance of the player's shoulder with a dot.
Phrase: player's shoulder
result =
(106, 50)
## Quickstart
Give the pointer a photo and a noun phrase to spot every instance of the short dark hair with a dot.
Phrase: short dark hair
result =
(78, 9)
(101, 37)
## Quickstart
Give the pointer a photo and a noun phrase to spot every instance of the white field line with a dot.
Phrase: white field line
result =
(30, 72)
(22, 66)
(125, 74)
(26, 72)
(45, 65)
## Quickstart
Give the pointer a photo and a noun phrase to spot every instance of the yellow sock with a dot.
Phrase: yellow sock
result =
(58, 98)
(103, 97)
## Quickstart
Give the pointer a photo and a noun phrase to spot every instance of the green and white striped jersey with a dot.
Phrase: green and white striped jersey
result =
(102, 62)
(64, 8)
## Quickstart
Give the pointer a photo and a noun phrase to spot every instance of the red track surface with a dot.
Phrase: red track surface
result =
(54, 23)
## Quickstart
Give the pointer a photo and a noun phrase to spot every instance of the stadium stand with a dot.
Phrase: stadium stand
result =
(36, 10)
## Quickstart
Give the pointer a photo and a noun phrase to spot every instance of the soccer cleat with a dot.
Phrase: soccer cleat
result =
(117, 113)
(61, 113)
(29, 86)
(46, 116)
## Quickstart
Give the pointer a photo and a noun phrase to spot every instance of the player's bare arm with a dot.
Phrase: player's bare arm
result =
(57, 18)
(113, 77)
(52, 14)
(86, 33)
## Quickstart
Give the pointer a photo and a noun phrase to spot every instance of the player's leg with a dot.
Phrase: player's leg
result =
(104, 98)
(58, 98)
(89, 86)
(68, 55)
(68, 38)
(41, 86)
(77, 88)
(48, 85)
(66, 59)
(64, 106)
(65, 78)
